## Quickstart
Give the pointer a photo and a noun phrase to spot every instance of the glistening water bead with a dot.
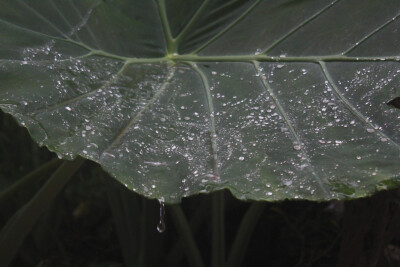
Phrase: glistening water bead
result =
(161, 225)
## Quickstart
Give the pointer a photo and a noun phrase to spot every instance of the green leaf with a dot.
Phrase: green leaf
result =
(270, 99)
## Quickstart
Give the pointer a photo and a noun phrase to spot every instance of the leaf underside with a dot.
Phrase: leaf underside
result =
(271, 99)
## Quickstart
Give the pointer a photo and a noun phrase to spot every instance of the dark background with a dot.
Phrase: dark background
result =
(81, 227)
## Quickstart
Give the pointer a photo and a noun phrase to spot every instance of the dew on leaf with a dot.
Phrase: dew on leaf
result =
(297, 147)
(155, 163)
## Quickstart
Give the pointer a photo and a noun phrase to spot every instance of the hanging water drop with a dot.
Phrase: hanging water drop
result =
(161, 225)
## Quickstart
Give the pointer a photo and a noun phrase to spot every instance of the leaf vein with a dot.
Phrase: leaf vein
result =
(77, 98)
(350, 106)
(117, 138)
(227, 28)
(268, 88)
(165, 25)
(192, 20)
(40, 16)
(210, 106)
(83, 23)
(298, 27)
(365, 38)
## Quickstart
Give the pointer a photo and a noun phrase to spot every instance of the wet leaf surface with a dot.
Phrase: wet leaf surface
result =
(270, 99)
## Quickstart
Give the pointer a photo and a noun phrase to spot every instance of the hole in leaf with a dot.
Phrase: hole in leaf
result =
(395, 102)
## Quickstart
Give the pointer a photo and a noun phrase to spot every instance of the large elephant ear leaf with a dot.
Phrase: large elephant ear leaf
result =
(273, 100)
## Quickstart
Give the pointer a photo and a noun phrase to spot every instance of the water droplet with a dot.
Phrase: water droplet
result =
(88, 128)
(287, 183)
(241, 158)
(161, 225)
(297, 147)
(68, 108)
(383, 139)
(370, 130)
(155, 163)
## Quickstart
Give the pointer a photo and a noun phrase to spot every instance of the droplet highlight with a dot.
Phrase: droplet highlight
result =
(161, 224)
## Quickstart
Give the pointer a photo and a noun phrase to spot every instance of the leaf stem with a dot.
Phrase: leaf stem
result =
(125, 210)
(196, 220)
(169, 40)
(21, 223)
(143, 232)
(244, 233)
(191, 249)
(218, 229)
(28, 179)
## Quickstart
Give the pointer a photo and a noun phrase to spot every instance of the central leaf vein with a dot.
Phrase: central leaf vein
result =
(169, 40)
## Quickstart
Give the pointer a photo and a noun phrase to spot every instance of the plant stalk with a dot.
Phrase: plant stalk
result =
(244, 233)
(191, 249)
(197, 219)
(21, 223)
(28, 179)
(218, 229)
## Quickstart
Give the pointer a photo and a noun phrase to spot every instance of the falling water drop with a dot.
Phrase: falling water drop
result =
(161, 225)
